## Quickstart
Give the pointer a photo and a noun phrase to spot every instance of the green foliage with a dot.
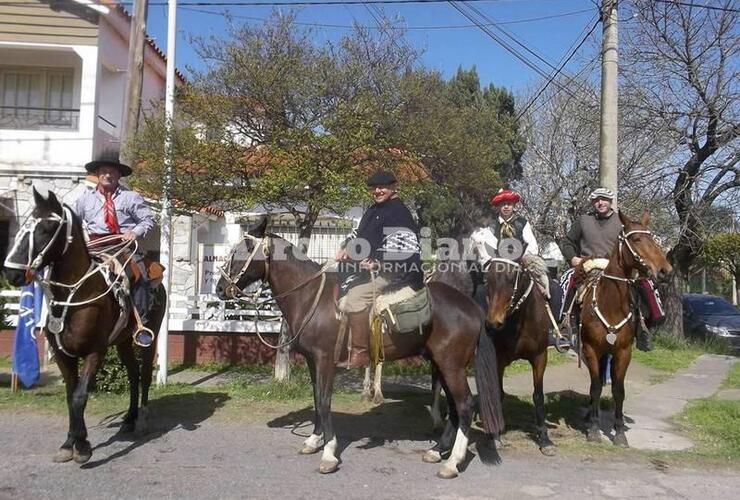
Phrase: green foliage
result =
(283, 121)
(111, 378)
(723, 250)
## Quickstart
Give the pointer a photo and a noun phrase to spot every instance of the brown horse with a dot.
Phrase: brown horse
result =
(304, 293)
(609, 317)
(52, 239)
(519, 326)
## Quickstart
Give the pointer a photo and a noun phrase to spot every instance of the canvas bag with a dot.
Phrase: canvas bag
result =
(409, 315)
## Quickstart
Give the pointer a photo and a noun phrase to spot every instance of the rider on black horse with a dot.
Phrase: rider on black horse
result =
(111, 209)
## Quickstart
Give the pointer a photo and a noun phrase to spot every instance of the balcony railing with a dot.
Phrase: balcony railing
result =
(29, 118)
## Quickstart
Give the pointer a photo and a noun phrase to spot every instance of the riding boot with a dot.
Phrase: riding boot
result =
(359, 325)
(644, 339)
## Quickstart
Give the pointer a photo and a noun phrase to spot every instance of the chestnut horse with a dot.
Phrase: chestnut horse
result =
(519, 327)
(609, 318)
(304, 293)
(52, 239)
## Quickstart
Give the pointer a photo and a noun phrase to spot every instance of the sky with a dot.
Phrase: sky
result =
(443, 49)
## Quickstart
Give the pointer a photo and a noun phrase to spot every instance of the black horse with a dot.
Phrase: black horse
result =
(52, 239)
(303, 292)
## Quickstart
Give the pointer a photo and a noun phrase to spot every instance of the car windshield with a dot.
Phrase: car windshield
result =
(712, 306)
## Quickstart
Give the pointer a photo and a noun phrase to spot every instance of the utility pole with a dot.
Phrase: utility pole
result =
(165, 241)
(609, 146)
(136, 40)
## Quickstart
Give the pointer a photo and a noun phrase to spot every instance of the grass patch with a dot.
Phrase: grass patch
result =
(714, 425)
(5, 362)
(733, 378)
(670, 354)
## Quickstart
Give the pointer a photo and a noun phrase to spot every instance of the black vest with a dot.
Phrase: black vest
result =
(517, 222)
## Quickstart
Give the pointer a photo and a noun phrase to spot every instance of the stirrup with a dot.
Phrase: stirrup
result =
(143, 337)
(562, 344)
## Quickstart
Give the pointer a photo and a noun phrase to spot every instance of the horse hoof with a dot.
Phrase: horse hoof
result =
(447, 472)
(82, 456)
(593, 436)
(366, 397)
(63, 455)
(308, 450)
(431, 457)
(621, 441)
(378, 400)
(329, 466)
(549, 450)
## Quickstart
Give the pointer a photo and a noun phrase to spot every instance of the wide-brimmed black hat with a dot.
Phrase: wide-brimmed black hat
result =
(381, 178)
(108, 157)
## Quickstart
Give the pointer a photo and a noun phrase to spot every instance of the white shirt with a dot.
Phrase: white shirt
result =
(485, 243)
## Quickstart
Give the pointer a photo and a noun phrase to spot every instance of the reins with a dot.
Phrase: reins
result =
(514, 306)
(237, 295)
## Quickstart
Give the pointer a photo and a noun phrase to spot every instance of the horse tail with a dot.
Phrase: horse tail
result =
(487, 382)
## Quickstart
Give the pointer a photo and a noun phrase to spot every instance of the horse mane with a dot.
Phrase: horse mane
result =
(534, 263)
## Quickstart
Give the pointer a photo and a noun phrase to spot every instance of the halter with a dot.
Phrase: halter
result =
(514, 306)
(29, 226)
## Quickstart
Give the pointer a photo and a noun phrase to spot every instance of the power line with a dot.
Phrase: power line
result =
(699, 6)
(557, 72)
(503, 44)
(403, 28)
(272, 3)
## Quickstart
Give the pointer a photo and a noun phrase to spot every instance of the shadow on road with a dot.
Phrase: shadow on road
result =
(167, 413)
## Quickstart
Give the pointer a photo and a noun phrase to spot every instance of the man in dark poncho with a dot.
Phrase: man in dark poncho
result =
(382, 254)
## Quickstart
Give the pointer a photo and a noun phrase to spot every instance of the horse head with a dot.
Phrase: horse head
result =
(505, 282)
(42, 239)
(639, 249)
(247, 263)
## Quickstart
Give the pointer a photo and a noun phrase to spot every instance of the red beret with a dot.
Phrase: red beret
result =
(505, 195)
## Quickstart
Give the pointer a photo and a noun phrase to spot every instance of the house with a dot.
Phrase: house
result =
(63, 73)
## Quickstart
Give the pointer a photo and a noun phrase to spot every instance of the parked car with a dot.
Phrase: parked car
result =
(709, 316)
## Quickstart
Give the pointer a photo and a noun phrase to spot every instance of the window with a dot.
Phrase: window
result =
(37, 98)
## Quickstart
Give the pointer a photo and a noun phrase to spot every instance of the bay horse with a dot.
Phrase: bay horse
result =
(609, 318)
(304, 292)
(520, 328)
(52, 238)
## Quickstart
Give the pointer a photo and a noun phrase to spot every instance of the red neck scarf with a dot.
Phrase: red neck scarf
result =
(109, 212)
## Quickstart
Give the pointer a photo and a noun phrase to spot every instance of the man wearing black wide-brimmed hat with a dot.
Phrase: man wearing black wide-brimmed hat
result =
(112, 209)
(387, 242)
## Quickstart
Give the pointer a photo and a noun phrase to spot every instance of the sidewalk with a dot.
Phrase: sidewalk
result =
(648, 408)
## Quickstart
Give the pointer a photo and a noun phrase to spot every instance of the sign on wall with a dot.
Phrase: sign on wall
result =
(210, 259)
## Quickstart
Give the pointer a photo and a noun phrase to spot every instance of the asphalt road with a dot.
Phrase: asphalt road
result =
(211, 457)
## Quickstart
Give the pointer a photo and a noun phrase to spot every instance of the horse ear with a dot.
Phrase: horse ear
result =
(259, 228)
(645, 219)
(623, 217)
(40, 195)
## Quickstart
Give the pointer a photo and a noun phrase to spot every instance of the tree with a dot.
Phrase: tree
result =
(723, 250)
(680, 65)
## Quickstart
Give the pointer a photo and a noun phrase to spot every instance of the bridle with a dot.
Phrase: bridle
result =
(624, 241)
(514, 304)
(32, 263)
(234, 291)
